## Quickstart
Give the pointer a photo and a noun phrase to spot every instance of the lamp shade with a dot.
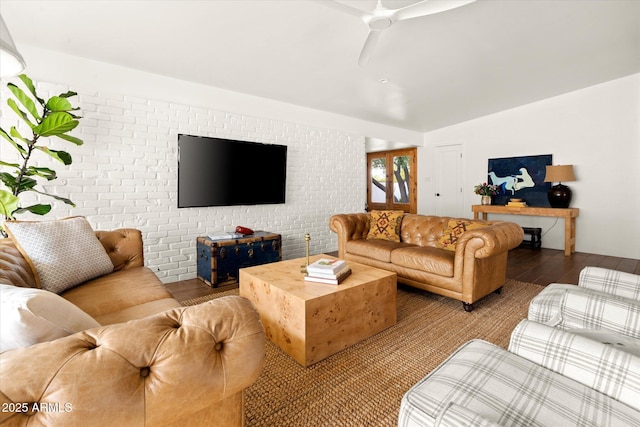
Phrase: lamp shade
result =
(11, 62)
(559, 173)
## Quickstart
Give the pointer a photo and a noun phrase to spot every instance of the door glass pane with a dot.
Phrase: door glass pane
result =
(401, 179)
(378, 179)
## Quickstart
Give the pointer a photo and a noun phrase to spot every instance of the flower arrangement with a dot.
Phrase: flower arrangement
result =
(485, 189)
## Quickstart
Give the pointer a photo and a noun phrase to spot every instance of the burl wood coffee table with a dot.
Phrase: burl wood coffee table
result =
(311, 321)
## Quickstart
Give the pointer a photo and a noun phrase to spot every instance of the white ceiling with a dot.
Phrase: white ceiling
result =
(443, 69)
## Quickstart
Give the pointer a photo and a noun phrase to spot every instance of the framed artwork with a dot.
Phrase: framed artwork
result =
(520, 178)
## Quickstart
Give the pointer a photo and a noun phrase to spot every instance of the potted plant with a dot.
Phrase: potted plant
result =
(53, 117)
(486, 191)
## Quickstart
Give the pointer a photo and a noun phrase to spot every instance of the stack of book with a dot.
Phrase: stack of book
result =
(516, 203)
(330, 271)
(225, 235)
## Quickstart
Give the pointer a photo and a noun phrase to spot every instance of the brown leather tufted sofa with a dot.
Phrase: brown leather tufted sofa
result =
(153, 363)
(476, 268)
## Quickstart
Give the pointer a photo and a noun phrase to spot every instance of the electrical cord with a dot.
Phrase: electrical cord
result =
(550, 228)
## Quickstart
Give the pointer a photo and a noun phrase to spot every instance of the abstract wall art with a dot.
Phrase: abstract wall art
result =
(520, 178)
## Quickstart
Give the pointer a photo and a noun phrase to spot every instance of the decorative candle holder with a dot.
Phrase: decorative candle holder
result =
(307, 238)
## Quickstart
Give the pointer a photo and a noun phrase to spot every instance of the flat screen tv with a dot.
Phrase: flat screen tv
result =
(225, 172)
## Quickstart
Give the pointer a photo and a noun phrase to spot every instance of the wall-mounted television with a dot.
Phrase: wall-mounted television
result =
(226, 172)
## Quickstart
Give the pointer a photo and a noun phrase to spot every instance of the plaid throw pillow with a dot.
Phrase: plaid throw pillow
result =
(385, 225)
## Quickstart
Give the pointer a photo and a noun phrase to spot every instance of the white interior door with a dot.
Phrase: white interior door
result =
(448, 185)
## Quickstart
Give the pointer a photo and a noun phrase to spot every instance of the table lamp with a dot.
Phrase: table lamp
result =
(559, 195)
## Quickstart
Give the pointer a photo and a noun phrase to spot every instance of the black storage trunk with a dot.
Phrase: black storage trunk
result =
(220, 260)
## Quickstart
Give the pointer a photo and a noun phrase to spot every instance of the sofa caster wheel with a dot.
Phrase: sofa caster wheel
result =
(467, 307)
(498, 291)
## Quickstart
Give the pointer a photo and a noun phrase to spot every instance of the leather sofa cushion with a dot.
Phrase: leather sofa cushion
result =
(432, 260)
(138, 311)
(124, 247)
(120, 291)
(377, 249)
(422, 230)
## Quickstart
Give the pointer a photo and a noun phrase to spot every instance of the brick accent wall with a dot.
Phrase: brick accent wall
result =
(125, 175)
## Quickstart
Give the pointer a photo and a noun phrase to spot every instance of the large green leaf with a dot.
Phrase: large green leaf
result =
(56, 103)
(56, 124)
(70, 138)
(8, 204)
(5, 134)
(62, 199)
(35, 209)
(17, 146)
(12, 165)
(29, 84)
(26, 184)
(12, 103)
(14, 133)
(25, 100)
(68, 94)
(48, 174)
(8, 179)
(61, 156)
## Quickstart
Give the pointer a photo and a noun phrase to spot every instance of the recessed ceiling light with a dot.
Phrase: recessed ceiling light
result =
(383, 80)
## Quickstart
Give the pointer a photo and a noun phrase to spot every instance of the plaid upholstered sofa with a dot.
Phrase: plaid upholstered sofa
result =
(580, 368)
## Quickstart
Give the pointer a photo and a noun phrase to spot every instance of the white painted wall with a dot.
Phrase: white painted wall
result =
(125, 175)
(596, 129)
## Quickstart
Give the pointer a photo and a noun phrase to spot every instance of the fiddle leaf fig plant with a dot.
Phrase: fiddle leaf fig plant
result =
(51, 118)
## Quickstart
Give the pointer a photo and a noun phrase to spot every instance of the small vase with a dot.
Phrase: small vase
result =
(486, 200)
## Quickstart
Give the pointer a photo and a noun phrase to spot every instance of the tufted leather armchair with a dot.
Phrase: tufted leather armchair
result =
(473, 270)
(152, 363)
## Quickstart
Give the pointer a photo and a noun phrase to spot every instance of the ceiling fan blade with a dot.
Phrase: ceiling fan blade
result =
(428, 7)
(369, 46)
(342, 7)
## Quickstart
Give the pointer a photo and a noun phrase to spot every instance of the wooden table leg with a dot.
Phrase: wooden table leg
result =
(569, 236)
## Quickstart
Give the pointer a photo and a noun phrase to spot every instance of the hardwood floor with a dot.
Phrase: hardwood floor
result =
(542, 266)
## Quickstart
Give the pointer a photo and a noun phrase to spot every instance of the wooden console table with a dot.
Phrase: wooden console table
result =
(569, 215)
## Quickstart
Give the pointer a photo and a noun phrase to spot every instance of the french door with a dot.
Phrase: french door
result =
(392, 180)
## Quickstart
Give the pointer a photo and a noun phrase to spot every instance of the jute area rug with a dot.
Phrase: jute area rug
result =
(364, 384)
